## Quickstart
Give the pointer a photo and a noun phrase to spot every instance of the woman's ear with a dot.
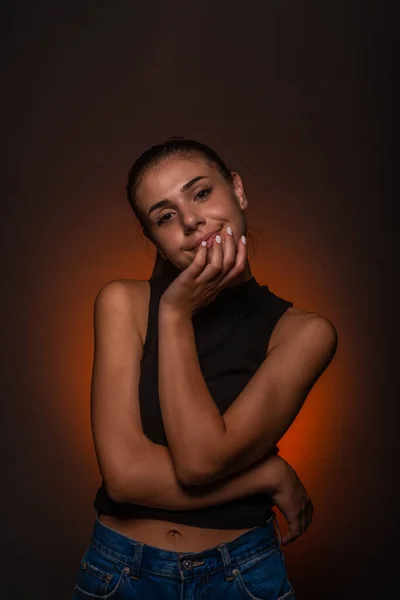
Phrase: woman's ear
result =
(239, 190)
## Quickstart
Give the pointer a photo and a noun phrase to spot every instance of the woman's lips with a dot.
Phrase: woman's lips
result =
(209, 241)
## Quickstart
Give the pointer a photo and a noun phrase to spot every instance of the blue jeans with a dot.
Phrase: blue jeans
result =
(250, 567)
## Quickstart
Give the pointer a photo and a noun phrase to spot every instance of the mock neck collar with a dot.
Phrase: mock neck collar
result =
(230, 295)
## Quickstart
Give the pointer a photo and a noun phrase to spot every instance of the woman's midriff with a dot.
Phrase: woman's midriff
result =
(171, 536)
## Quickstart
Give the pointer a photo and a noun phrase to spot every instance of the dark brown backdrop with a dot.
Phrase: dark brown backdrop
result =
(294, 96)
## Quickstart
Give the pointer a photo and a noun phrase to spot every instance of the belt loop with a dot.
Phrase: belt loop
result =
(226, 559)
(137, 559)
(277, 529)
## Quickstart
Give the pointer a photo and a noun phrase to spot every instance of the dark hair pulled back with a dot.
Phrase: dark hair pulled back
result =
(175, 146)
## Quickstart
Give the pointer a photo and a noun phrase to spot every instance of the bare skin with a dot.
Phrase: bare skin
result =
(166, 534)
(181, 200)
(171, 536)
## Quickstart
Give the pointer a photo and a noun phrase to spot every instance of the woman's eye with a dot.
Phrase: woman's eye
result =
(200, 195)
(163, 219)
(203, 193)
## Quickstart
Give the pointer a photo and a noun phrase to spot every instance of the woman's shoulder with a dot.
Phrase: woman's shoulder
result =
(303, 324)
(129, 288)
(134, 293)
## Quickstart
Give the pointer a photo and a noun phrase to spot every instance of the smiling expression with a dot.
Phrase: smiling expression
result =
(184, 198)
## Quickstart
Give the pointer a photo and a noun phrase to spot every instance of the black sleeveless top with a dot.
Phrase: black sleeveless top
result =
(231, 335)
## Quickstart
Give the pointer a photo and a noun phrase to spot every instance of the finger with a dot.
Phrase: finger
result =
(214, 267)
(198, 263)
(242, 253)
(303, 520)
(229, 250)
(240, 263)
(294, 530)
(290, 538)
(241, 257)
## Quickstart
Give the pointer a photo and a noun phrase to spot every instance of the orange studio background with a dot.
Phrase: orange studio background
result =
(291, 95)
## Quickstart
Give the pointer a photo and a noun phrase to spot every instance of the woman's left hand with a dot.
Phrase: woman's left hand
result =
(202, 280)
(291, 498)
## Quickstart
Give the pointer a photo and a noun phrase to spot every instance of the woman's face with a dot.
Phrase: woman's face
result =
(185, 198)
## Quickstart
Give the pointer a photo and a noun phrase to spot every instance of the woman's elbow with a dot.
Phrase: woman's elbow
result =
(191, 474)
(118, 481)
(115, 489)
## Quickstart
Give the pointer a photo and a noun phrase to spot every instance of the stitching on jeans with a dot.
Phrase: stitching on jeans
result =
(117, 588)
(109, 556)
(209, 573)
(288, 595)
(238, 563)
(240, 585)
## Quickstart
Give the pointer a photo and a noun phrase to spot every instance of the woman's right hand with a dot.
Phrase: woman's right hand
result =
(290, 496)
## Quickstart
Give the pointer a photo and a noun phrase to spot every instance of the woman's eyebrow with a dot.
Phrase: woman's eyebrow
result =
(189, 184)
(184, 188)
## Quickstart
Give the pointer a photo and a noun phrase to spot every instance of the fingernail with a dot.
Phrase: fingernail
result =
(229, 230)
(244, 239)
(204, 243)
(218, 239)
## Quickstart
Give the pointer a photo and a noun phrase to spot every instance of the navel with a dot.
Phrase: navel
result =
(174, 531)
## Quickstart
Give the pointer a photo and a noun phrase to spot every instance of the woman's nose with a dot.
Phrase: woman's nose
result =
(192, 221)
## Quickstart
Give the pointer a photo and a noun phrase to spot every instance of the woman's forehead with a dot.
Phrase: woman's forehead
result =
(173, 173)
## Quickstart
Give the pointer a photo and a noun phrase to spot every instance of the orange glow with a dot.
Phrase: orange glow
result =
(309, 443)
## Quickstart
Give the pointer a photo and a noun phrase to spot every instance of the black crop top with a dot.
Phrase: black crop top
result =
(232, 335)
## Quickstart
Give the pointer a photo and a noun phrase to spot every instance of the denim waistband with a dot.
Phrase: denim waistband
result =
(137, 556)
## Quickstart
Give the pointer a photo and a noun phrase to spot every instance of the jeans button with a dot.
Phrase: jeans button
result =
(187, 564)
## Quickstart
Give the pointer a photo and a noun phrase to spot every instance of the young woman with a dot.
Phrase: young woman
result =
(197, 374)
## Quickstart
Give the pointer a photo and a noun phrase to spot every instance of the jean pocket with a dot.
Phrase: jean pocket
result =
(99, 576)
(263, 577)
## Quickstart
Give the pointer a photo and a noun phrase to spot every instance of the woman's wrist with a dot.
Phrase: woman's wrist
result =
(169, 313)
(274, 470)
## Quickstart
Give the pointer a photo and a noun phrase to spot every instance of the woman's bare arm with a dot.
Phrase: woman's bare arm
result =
(136, 470)
(153, 482)
(132, 467)
(206, 445)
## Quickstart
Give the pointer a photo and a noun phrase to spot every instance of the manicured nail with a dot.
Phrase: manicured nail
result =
(204, 243)
(229, 230)
(218, 239)
(244, 239)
